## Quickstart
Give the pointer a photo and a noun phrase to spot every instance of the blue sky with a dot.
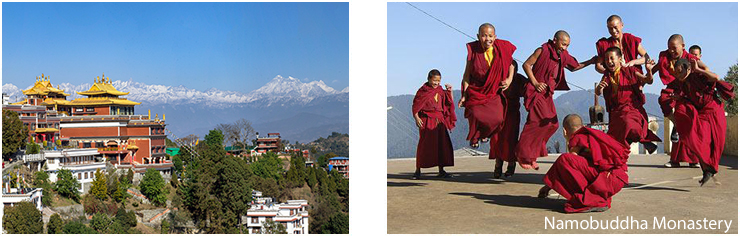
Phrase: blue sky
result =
(418, 43)
(228, 46)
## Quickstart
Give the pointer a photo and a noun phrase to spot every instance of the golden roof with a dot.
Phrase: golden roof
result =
(103, 86)
(101, 101)
(45, 130)
(24, 102)
(55, 101)
(43, 87)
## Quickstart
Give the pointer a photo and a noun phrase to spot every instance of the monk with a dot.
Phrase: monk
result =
(630, 45)
(545, 69)
(504, 142)
(700, 115)
(434, 113)
(667, 72)
(593, 170)
(488, 72)
(696, 51)
(624, 100)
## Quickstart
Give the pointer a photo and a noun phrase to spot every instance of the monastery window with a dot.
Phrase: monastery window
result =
(79, 175)
(99, 144)
(85, 175)
(79, 109)
(255, 220)
(86, 145)
(90, 109)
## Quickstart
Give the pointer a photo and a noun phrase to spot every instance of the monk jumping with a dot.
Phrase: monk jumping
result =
(593, 170)
(488, 72)
(503, 143)
(624, 100)
(699, 114)
(545, 69)
(666, 70)
(434, 112)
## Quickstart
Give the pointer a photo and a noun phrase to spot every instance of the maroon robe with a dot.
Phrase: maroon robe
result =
(542, 120)
(701, 118)
(435, 147)
(592, 177)
(485, 106)
(630, 43)
(679, 152)
(627, 117)
(504, 142)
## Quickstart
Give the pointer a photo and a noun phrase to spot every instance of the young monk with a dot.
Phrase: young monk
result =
(503, 143)
(434, 112)
(699, 114)
(593, 170)
(630, 45)
(696, 51)
(545, 69)
(667, 72)
(624, 100)
(488, 72)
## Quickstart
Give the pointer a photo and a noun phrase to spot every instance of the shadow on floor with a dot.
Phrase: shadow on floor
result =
(405, 184)
(729, 161)
(474, 177)
(555, 205)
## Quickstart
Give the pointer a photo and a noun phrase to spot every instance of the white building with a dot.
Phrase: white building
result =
(81, 162)
(292, 214)
(11, 196)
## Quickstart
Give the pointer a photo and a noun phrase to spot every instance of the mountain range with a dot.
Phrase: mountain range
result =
(403, 135)
(299, 111)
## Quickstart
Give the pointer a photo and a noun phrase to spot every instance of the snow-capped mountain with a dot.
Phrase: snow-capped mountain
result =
(279, 91)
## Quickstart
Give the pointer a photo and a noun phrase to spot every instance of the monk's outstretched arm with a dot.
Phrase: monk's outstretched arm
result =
(465, 83)
(647, 79)
(702, 68)
(641, 60)
(506, 83)
(528, 64)
(584, 64)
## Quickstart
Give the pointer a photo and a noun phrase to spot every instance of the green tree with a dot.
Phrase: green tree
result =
(297, 173)
(272, 227)
(55, 224)
(177, 162)
(312, 177)
(153, 187)
(33, 148)
(130, 177)
(169, 143)
(100, 222)
(338, 224)
(164, 228)
(731, 77)
(76, 227)
(233, 189)
(41, 180)
(14, 133)
(23, 218)
(126, 218)
(99, 187)
(215, 138)
(67, 185)
(268, 166)
(120, 194)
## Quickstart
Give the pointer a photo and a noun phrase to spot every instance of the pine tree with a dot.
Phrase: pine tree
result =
(99, 186)
(14, 132)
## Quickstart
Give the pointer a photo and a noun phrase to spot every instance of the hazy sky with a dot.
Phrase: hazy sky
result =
(228, 46)
(418, 43)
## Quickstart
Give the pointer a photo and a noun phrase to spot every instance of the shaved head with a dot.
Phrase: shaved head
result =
(486, 25)
(572, 122)
(613, 17)
(676, 37)
(561, 34)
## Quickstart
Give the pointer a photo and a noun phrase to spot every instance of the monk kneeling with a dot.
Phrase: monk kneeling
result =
(591, 173)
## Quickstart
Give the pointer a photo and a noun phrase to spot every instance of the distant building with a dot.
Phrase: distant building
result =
(267, 144)
(81, 162)
(292, 214)
(341, 164)
(103, 120)
(11, 196)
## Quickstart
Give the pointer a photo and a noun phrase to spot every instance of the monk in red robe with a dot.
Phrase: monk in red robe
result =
(666, 69)
(434, 113)
(624, 100)
(546, 71)
(700, 115)
(593, 170)
(630, 45)
(503, 143)
(488, 72)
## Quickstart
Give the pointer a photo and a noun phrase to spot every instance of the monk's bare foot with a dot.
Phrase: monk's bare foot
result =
(528, 166)
(544, 192)
(485, 140)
